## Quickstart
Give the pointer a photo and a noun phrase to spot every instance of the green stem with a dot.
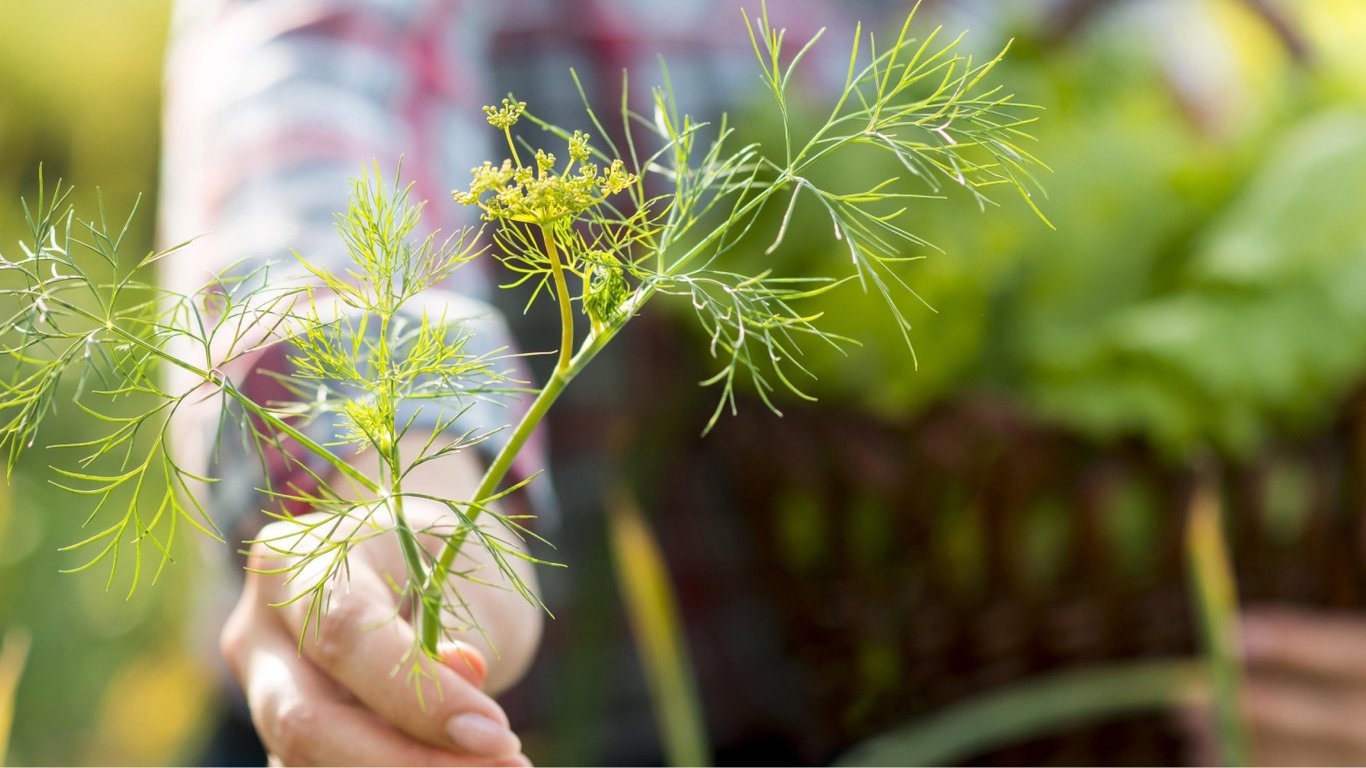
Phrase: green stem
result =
(761, 196)
(436, 578)
(507, 133)
(1033, 708)
(412, 551)
(391, 462)
(338, 463)
(216, 379)
(561, 296)
(430, 621)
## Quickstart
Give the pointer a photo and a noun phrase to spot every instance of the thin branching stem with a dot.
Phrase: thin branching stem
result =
(562, 297)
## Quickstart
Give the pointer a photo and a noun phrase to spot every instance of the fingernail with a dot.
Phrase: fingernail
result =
(466, 662)
(482, 735)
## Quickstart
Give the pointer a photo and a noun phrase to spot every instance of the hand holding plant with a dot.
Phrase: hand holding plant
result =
(618, 224)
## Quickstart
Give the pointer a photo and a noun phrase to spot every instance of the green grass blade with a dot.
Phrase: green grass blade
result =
(13, 654)
(1216, 606)
(1036, 707)
(652, 607)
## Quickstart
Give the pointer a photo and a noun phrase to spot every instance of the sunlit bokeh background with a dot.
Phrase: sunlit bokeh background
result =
(108, 680)
(1202, 295)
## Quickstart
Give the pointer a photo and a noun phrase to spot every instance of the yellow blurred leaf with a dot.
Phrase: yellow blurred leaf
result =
(653, 612)
(13, 654)
(1217, 612)
(151, 710)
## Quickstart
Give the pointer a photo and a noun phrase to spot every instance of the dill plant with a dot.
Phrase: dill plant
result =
(616, 225)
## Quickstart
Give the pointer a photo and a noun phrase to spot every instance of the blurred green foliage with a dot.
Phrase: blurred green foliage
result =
(1202, 286)
(107, 681)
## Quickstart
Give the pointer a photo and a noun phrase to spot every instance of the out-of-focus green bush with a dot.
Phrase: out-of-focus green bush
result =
(1202, 285)
(107, 681)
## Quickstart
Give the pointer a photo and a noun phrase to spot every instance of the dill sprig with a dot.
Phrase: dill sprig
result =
(921, 102)
(611, 227)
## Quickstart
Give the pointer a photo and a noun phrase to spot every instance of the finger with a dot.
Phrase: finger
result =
(355, 736)
(1194, 722)
(1295, 710)
(466, 660)
(1328, 645)
(1270, 745)
(369, 651)
(302, 724)
(1283, 751)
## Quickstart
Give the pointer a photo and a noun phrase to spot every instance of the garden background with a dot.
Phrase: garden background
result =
(1199, 303)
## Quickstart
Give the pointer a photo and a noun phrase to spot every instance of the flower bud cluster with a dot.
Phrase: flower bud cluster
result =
(507, 116)
(605, 289)
(515, 192)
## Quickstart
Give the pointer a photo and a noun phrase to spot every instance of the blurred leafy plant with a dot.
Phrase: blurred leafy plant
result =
(1184, 306)
(612, 228)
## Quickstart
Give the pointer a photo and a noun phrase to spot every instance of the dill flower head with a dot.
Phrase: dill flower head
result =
(507, 116)
(540, 194)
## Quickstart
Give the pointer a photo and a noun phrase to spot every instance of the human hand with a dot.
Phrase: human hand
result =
(1304, 695)
(338, 698)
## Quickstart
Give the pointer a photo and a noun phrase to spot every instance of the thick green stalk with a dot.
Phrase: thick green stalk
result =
(488, 484)
(407, 538)
(430, 621)
(566, 367)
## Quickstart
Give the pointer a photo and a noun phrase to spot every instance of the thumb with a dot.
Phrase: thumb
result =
(466, 660)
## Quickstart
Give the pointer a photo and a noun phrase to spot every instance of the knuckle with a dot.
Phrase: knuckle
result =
(335, 637)
(279, 538)
(293, 733)
(232, 641)
(261, 556)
